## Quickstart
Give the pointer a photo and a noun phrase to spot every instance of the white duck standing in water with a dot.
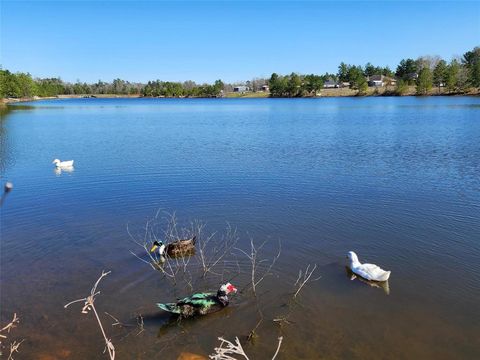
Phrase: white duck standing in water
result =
(367, 271)
(62, 164)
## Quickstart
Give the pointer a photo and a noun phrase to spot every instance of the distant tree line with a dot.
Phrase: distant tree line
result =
(18, 85)
(187, 89)
(22, 85)
(456, 76)
(295, 85)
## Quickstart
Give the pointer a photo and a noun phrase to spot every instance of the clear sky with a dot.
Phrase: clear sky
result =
(204, 41)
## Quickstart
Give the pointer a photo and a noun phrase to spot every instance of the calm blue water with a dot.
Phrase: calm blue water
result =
(395, 179)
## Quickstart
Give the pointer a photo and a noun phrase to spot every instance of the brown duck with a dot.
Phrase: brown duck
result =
(179, 247)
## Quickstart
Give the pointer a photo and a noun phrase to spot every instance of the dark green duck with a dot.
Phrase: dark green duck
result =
(201, 303)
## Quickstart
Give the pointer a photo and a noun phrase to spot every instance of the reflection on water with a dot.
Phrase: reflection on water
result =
(394, 178)
(384, 285)
(5, 148)
(65, 169)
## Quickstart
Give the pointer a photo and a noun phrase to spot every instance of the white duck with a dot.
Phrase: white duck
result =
(63, 164)
(367, 271)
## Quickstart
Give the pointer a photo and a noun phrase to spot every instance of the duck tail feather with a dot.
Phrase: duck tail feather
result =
(386, 276)
(171, 308)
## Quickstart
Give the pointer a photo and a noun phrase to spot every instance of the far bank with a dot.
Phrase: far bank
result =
(335, 92)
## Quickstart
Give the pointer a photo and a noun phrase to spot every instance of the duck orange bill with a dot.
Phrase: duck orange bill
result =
(153, 248)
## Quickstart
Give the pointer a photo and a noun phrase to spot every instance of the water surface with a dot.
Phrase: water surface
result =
(395, 179)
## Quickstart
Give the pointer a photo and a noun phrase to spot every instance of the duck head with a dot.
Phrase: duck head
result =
(158, 245)
(56, 161)
(227, 289)
(352, 257)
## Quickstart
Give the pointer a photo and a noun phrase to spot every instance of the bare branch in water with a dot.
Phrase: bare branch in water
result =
(118, 322)
(89, 305)
(302, 281)
(213, 250)
(14, 348)
(11, 325)
(15, 344)
(258, 276)
(304, 277)
(227, 349)
(280, 339)
(210, 253)
(230, 351)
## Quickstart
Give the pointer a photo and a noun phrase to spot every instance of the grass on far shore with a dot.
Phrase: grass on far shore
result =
(339, 92)
(258, 94)
(346, 92)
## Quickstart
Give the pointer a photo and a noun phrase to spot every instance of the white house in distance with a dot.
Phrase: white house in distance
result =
(381, 80)
(330, 84)
(241, 88)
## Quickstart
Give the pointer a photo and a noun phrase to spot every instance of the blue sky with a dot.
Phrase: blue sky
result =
(204, 41)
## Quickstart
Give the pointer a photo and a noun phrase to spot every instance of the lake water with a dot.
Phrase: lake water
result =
(395, 179)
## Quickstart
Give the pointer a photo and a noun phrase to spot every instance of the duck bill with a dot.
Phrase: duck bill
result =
(153, 248)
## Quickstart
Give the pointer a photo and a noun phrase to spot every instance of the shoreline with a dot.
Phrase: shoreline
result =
(325, 93)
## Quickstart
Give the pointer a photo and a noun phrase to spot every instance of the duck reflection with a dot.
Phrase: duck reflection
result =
(58, 170)
(174, 322)
(376, 284)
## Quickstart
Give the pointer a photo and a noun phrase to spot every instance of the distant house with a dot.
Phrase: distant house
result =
(344, 84)
(241, 88)
(265, 88)
(381, 80)
(330, 84)
(376, 80)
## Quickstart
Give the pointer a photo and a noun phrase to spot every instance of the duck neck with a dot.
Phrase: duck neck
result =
(161, 250)
(354, 262)
(222, 297)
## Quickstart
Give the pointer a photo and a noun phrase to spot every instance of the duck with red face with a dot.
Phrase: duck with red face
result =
(201, 303)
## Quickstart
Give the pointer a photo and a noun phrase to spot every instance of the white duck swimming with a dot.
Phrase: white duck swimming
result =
(367, 271)
(64, 164)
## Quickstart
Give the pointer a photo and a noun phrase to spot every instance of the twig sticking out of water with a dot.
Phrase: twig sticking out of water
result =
(89, 305)
(304, 277)
(14, 348)
(213, 250)
(227, 350)
(13, 345)
(12, 324)
(280, 339)
(258, 276)
(225, 353)
(302, 281)
(210, 255)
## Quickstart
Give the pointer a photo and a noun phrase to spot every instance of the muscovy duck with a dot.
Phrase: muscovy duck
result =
(201, 303)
